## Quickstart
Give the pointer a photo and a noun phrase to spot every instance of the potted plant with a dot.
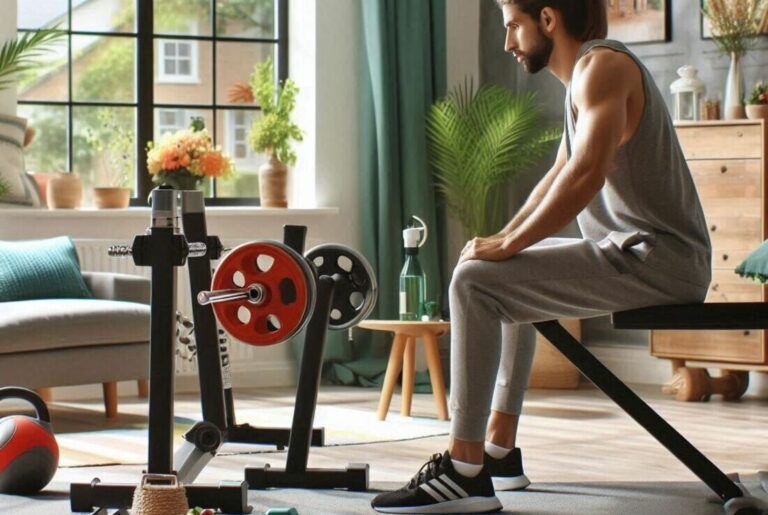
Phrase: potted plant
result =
(477, 142)
(273, 131)
(757, 107)
(113, 146)
(18, 55)
(736, 24)
(185, 158)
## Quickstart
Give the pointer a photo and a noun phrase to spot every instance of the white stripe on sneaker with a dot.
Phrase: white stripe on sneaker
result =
(456, 488)
(435, 495)
(444, 489)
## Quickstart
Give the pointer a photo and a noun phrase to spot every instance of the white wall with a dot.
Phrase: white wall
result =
(8, 31)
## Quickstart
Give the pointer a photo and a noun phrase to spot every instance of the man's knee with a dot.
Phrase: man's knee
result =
(464, 275)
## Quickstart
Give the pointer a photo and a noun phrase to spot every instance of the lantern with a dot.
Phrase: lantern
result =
(688, 91)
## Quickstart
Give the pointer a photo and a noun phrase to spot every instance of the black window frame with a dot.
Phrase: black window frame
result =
(144, 104)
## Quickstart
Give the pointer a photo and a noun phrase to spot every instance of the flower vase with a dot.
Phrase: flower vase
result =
(178, 180)
(733, 109)
(273, 183)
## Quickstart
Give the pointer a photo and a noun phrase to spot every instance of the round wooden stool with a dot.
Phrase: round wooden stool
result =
(403, 357)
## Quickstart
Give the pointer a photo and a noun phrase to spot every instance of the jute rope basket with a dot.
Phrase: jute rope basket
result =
(166, 498)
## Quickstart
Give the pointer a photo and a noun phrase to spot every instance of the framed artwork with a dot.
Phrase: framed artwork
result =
(706, 28)
(639, 21)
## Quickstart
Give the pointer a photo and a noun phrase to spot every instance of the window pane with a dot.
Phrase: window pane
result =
(35, 14)
(112, 16)
(184, 49)
(233, 127)
(235, 66)
(104, 68)
(246, 18)
(188, 80)
(48, 79)
(171, 120)
(169, 48)
(48, 151)
(192, 17)
(104, 147)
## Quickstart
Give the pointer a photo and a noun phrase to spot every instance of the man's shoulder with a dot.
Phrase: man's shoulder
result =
(603, 71)
(603, 60)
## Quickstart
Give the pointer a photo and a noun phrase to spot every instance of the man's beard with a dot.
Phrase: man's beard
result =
(538, 57)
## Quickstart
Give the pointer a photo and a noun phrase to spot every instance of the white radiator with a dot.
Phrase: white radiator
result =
(251, 366)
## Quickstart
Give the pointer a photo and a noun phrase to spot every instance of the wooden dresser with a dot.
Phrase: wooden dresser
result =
(728, 163)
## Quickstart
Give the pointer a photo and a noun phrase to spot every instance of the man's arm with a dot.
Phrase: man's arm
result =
(538, 193)
(601, 86)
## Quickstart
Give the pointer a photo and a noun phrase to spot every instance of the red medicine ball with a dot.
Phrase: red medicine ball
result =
(29, 455)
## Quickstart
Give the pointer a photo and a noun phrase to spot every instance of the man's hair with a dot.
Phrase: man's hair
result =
(584, 19)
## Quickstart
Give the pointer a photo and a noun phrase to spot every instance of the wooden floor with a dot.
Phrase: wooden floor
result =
(566, 436)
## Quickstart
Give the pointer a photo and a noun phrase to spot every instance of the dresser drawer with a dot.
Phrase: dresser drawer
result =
(729, 258)
(740, 346)
(721, 142)
(728, 286)
(722, 178)
(734, 232)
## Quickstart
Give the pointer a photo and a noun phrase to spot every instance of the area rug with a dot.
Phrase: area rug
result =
(85, 437)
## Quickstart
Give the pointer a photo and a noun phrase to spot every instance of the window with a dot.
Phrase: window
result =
(130, 71)
(177, 61)
(169, 121)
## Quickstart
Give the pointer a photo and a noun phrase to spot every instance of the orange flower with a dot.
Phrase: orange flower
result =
(212, 164)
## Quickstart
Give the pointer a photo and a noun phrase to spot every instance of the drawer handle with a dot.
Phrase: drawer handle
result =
(713, 228)
(747, 333)
(715, 287)
(739, 134)
(723, 169)
(725, 257)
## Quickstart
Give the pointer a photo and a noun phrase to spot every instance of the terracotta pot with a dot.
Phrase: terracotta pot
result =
(65, 191)
(111, 198)
(273, 183)
(757, 111)
(42, 179)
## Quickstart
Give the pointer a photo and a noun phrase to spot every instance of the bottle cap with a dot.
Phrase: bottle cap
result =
(412, 236)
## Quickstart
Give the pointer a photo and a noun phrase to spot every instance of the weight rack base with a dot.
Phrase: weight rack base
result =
(244, 433)
(227, 496)
(354, 477)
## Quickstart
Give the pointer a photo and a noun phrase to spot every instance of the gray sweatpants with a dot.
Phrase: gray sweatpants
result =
(493, 304)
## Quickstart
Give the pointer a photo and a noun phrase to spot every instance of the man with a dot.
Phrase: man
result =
(621, 173)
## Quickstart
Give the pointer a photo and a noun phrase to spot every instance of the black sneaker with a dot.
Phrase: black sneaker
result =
(507, 472)
(438, 488)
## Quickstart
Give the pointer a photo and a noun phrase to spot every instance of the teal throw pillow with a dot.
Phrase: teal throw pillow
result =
(40, 269)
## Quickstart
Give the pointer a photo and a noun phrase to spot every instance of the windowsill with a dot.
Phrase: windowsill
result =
(144, 212)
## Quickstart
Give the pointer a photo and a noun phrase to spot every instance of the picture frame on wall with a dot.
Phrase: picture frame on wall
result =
(706, 28)
(640, 21)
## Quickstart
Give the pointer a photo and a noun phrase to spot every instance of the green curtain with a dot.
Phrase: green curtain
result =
(403, 71)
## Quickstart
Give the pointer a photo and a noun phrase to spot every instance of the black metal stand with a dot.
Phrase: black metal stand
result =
(636, 408)
(163, 250)
(296, 474)
(219, 425)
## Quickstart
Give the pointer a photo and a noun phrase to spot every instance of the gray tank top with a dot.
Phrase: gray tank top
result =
(648, 206)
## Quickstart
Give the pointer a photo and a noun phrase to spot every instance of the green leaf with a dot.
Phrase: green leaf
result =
(477, 142)
(21, 54)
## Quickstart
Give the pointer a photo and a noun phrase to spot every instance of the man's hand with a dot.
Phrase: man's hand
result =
(491, 248)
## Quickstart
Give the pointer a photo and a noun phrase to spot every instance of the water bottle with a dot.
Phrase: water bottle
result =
(413, 281)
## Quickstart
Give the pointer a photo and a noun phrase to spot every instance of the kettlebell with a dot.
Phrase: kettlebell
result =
(29, 455)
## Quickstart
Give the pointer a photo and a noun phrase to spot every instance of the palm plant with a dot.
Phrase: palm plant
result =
(477, 142)
(17, 55)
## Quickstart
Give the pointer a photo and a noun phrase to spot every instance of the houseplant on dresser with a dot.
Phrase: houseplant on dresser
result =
(273, 132)
(757, 107)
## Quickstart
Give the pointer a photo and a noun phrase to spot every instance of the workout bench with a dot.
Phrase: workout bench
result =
(707, 316)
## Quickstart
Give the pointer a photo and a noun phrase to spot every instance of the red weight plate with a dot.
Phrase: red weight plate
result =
(291, 313)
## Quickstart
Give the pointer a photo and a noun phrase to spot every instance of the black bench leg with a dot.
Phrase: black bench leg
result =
(636, 408)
